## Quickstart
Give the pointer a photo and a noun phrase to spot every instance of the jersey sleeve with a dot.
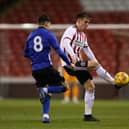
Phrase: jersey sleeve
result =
(67, 39)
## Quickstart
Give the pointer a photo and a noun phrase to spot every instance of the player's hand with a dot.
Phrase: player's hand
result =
(74, 59)
(60, 69)
(72, 65)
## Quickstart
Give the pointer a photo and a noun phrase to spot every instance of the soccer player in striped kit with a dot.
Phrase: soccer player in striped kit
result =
(73, 41)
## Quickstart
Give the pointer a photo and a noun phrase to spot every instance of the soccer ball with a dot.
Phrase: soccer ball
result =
(121, 79)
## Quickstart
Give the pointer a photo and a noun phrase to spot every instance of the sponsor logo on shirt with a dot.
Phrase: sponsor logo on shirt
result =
(79, 43)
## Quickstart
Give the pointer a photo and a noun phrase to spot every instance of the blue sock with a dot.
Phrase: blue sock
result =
(45, 101)
(46, 105)
(56, 89)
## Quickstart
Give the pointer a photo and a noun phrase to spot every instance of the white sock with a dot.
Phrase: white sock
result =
(45, 90)
(101, 72)
(89, 101)
(46, 116)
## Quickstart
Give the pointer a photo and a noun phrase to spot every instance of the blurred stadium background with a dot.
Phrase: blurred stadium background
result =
(110, 44)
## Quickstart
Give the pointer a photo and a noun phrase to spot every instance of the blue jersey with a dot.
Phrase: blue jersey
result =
(38, 46)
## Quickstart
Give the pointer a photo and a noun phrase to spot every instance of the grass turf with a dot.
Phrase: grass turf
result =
(26, 114)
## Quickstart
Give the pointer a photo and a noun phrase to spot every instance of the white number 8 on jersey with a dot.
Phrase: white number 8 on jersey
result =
(38, 46)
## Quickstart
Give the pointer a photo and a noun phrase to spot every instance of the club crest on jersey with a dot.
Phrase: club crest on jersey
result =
(79, 43)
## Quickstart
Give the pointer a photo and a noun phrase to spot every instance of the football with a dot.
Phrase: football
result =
(121, 78)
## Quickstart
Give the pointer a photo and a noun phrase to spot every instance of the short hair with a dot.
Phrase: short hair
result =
(43, 18)
(83, 15)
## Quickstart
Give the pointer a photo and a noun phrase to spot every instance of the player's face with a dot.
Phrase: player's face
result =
(84, 23)
(47, 25)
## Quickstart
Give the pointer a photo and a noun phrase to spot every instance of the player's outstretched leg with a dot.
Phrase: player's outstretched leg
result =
(56, 88)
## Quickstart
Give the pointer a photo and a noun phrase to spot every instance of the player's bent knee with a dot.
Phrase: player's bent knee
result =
(92, 64)
(66, 86)
(89, 86)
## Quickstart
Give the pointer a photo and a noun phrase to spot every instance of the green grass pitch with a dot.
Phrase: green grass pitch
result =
(26, 114)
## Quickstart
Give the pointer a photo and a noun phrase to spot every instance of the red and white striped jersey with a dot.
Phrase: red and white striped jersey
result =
(73, 41)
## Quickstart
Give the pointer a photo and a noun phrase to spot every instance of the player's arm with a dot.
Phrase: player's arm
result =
(101, 72)
(55, 45)
(66, 42)
(69, 49)
(62, 55)
(67, 38)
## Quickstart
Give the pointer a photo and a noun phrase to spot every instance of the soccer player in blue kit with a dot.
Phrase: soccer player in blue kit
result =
(37, 49)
